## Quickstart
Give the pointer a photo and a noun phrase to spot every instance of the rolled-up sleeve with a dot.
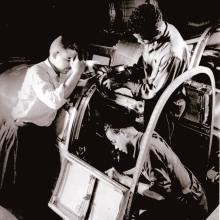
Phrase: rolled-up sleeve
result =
(161, 76)
(46, 91)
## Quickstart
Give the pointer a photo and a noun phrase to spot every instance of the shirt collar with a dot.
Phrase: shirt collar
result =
(54, 69)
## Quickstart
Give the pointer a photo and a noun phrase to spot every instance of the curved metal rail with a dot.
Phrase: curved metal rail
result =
(83, 105)
(154, 118)
(75, 130)
(200, 46)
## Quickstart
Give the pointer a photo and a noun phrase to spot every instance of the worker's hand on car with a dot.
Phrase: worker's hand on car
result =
(101, 69)
(113, 174)
(111, 84)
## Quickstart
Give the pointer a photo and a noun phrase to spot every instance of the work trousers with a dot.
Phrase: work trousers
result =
(38, 166)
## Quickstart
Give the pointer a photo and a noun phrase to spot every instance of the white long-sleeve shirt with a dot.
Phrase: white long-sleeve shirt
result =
(41, 95)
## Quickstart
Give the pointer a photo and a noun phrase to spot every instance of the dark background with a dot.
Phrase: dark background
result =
(28, 27)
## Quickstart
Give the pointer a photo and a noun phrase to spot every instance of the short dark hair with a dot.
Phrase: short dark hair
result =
(72, 43)
(64, 42)
(145, 20)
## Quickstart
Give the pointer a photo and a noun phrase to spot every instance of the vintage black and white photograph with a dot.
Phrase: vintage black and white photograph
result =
(109, 110)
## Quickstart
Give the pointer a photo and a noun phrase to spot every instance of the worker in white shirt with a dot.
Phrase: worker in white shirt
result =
(48, 84)
(45, 89)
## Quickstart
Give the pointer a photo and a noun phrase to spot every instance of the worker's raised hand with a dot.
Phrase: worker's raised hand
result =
(77, 66)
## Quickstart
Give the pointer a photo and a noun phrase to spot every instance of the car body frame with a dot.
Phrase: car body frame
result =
(83, 190)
